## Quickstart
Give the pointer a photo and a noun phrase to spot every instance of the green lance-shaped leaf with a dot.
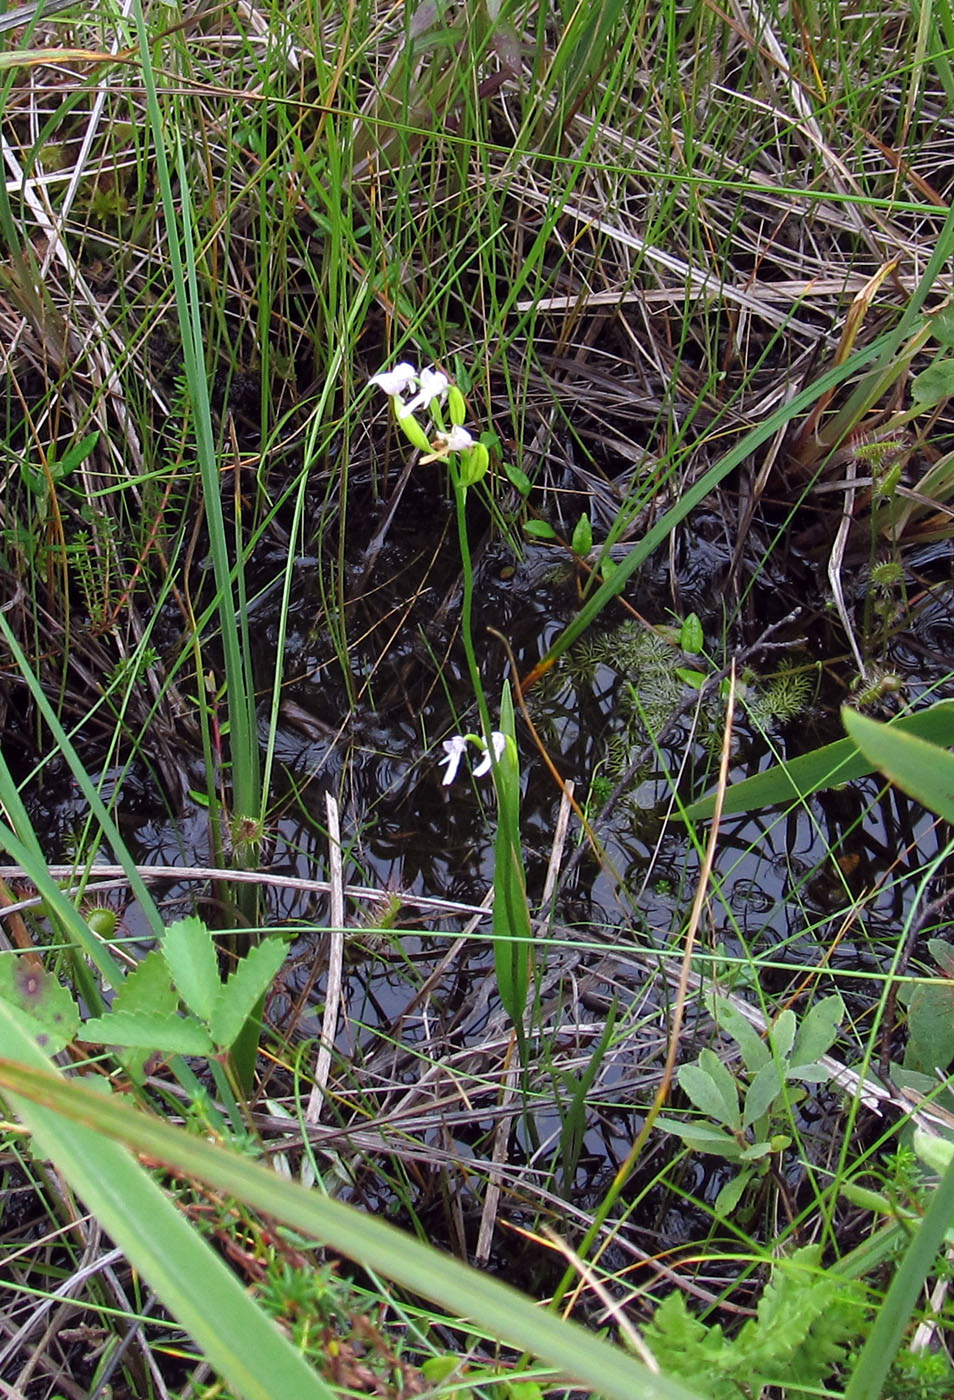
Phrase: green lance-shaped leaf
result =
(840, 762)
(923, 770)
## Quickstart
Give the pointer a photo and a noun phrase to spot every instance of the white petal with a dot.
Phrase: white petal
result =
(454, 750)
(395, 381)
(457, 440)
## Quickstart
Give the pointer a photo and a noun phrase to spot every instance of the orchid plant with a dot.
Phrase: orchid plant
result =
(419, 398)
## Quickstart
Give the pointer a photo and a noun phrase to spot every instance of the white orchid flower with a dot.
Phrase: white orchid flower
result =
(456, 747)
(432, 384)
(498, 742)
(457, 440)
(394, 382)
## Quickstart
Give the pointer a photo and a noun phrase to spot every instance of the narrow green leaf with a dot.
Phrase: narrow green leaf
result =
(518, 479)
(782, 1033)
(732, 1193)
(923, 770)
(539, 529)
(191, 958)
(253, 975)
(727, 1016)
(715, 1142)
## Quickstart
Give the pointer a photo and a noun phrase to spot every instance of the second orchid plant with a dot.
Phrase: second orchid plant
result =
(419, 398)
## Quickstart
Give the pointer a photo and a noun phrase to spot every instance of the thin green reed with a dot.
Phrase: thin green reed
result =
(181, 243)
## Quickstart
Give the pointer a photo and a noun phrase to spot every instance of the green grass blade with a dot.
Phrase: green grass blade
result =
(923, 770)
(181, 245)
(239, 1340)
(500, 1310)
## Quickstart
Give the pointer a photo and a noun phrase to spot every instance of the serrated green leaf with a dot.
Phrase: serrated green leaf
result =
(149, 1030)
(190, 955)
(48, 1007)
(253, 976)
(819, 1029)
(923, 770)
(711, 1089)
(147, 988)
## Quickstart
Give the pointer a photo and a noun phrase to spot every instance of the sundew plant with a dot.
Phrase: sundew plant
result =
(476, 699)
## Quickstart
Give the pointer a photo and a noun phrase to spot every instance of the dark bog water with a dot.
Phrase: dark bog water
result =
(422, 1088)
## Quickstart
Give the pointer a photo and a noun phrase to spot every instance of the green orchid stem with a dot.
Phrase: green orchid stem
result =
(467, 603)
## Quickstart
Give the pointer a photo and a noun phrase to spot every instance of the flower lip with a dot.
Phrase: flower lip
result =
(457, 440)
